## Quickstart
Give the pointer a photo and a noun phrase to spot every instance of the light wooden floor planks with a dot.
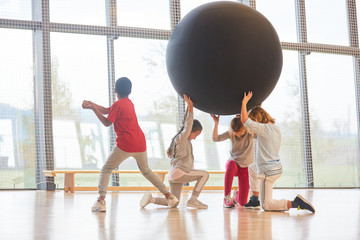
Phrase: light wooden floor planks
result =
(56, 215)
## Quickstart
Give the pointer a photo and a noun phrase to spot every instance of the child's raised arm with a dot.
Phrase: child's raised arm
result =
(188, 120)
(244, 113)
(215, 134)
(189, 103)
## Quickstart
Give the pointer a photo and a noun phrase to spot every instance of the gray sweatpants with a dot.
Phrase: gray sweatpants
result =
(116, 157)
(176, 185)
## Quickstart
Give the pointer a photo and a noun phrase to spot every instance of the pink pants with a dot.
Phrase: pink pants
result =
(232, 170)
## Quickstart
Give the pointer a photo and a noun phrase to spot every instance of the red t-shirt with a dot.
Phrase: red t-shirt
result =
(130, 137)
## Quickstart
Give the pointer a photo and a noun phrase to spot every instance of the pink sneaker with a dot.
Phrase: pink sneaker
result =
(228, 202)
(234, 198)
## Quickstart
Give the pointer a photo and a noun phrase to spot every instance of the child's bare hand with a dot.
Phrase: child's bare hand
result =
(247, 97)
(188, 100)
(216, 118)
(87, 104)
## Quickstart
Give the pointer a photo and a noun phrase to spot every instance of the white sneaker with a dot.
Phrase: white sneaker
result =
(145, 200)
(172, 201)
(99, 206)
(196, 204)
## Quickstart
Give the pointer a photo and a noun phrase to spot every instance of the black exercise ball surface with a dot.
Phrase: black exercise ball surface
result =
(220, 50)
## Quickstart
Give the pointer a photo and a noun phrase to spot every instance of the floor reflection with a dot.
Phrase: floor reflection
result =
(54, 215)
(242, 223)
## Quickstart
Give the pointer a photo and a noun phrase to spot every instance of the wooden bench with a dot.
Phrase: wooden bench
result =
(69, 180)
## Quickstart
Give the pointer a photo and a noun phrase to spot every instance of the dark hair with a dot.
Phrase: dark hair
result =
(195, 127)
(123, 86)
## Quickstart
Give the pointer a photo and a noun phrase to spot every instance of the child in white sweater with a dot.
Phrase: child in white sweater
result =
(267, 168)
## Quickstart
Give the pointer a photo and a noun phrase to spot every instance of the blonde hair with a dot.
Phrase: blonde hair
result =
(258, 114)
(236, 126)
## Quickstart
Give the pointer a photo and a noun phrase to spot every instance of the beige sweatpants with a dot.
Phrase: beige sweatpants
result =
(176, 185)
(264, 185)
(116, 157)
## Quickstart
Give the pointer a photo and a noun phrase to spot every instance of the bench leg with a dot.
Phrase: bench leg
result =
(69, 182)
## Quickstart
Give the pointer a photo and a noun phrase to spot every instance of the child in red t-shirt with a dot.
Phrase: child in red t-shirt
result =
(130, 142)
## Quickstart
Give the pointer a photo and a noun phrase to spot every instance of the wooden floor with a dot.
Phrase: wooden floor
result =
(57, 215)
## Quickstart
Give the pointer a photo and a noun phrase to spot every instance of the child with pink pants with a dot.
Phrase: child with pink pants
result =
(241, 156)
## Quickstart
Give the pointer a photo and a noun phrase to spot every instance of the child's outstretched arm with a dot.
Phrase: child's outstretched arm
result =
(99, 111)
(189, 103)
(86, 104)
(215, 134)
(188, 120)
(244, 112)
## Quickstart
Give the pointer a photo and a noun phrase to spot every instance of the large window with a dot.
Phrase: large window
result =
(90, 12)
(281, 14)
(155, 100)
(143, 13)
(15, 9)
(17, 148)
(326, 22)
(79, 72)
(284, 105)
(333, 120)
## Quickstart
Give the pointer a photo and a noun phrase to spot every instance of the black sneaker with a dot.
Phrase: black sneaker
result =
(252, 204)
(301, 203)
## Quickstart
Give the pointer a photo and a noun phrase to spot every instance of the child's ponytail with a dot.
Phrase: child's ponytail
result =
(196, 126)
(171, 149)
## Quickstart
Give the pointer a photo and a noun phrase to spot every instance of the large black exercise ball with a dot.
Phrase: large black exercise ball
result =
(220, 50)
